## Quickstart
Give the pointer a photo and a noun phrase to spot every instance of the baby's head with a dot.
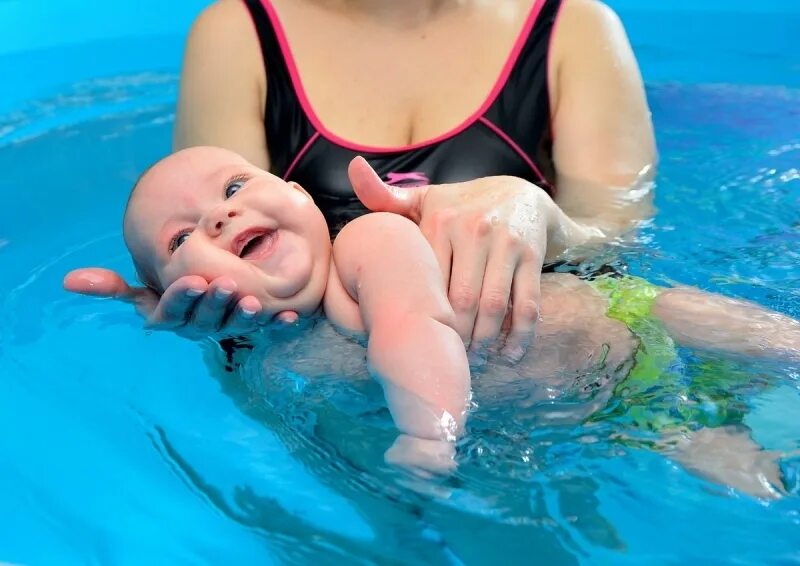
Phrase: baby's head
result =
(206, 211)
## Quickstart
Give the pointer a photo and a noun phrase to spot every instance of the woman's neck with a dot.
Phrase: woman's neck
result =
(407, 13)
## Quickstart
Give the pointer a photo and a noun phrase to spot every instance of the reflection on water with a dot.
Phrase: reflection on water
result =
(92, 100)
(126, 445)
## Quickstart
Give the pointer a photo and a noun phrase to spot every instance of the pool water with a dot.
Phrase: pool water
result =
(122, 446)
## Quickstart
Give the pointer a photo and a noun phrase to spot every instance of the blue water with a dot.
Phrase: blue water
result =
(120, 446)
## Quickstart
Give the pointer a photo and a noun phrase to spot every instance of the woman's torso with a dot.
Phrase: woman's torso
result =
(459, 95)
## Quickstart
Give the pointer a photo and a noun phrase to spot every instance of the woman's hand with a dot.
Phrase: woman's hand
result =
(191, 307)
(491, 237)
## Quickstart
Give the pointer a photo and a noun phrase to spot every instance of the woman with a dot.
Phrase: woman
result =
(521, 127)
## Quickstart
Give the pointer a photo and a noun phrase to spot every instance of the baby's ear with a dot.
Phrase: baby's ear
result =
(301, 189)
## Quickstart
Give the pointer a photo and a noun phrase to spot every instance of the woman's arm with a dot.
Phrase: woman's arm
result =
(223, 85)
(604, 149)
(492, 235)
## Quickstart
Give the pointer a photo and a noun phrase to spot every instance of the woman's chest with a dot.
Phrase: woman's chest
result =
(389, 81)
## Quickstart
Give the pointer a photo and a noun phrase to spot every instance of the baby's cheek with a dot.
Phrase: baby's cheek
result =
(207, 263)
(249, 281)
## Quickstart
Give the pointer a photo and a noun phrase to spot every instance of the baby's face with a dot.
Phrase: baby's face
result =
(207, 211)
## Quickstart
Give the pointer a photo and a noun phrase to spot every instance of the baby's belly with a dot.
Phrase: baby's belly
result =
(578, 363)
(577, 349)
(575, 337)
(578, 353)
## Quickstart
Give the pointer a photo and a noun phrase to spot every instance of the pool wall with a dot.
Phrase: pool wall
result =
(715, 41)
(729, 41)
(89, 39)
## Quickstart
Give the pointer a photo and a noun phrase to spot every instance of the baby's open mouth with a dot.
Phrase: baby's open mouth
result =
(255, 244)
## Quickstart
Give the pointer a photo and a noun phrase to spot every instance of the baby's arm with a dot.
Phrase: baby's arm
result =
(708, 321)
(387, 267)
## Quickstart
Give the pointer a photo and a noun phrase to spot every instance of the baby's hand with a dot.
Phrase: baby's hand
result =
(422, 454)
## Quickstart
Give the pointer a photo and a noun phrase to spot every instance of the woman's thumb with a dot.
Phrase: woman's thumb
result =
(380, 197)
(97, 282)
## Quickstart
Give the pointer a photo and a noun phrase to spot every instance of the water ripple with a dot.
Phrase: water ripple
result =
(87, 101)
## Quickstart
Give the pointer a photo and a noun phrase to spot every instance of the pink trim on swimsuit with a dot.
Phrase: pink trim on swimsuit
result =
(536, 8)
(517, 149)
(300, 155)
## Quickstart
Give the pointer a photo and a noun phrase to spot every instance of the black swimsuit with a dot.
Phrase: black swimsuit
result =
(509, 134)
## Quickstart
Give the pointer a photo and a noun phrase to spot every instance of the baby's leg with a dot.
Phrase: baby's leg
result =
(574, 328)
(713, 322)
(729, 456)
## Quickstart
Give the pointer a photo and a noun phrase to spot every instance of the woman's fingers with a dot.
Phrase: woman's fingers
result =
(220, 312)
(196, 309)
(214, 306)
(489, 236)
(470, 250)
(98, 282)
(439, 238)
(495, 294)
(245, 318)
(190, 306)
(526, 300)
(175, 307)
(380, 197)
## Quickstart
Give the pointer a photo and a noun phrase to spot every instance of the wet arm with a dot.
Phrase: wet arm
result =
(604, 148)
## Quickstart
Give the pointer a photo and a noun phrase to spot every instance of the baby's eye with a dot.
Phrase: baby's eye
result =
(233, 186)
(178, 240)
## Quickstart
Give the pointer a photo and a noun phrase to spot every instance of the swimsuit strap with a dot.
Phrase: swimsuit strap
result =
(284, 116)
(520, 112)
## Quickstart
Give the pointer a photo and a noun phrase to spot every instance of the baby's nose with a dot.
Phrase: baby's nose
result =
(218, 219)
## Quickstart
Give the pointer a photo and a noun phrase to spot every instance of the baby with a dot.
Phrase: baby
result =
(206, 211)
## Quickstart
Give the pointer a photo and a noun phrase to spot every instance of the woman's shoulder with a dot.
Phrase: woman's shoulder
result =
(223, 35)
(587, 12)
(221, 13)
(583, 25)
(221, 26)
(223, 83)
